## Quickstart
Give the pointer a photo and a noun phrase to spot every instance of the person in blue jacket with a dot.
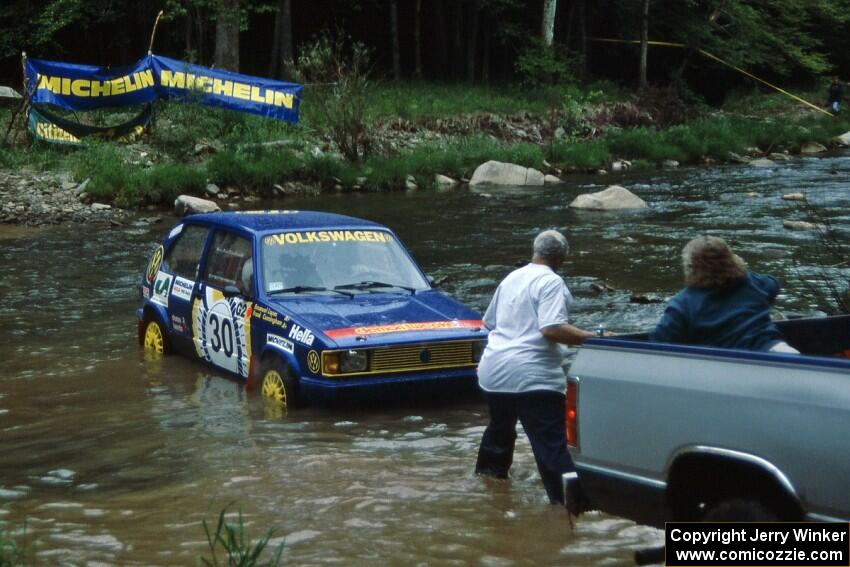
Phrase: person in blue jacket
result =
(723, 304)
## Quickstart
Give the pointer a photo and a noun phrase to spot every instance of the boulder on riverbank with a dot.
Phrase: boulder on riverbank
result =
(812, 148)
(843, 139)
(614, 197)
(500, 173)
(187, 205)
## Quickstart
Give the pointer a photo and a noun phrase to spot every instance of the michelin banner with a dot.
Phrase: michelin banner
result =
(86, 87)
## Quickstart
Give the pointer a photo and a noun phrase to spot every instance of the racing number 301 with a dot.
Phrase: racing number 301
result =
(222, 335)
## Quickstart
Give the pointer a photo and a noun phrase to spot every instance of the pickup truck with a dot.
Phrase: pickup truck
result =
(662, 432)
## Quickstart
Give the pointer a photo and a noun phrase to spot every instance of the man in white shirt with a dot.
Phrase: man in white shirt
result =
(520, 370)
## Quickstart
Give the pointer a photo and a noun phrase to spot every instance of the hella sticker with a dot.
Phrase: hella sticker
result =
(302, 335)
(280, 343)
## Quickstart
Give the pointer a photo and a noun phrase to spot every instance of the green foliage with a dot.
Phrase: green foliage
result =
(13, 553)
(161, 184)
(593, 154)
(541, 65)
(418, 101)
(252, 168)
(337, 87)
(229, 547)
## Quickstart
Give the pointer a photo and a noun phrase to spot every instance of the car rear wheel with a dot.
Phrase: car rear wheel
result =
(277, 383)
(154, 338)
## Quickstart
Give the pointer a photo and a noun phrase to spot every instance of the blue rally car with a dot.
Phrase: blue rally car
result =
(305, 305)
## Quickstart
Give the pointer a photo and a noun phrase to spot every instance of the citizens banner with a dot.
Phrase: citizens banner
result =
(86, 87)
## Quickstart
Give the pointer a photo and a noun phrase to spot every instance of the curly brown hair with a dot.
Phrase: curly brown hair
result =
(709, 262)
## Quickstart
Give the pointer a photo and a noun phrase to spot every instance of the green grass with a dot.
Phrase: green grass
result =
(13, 553)
(229, 547)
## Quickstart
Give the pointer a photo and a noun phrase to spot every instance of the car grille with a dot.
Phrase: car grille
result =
(422, 357)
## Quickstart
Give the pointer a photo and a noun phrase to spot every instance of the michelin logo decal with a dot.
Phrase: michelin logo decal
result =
(280, 343)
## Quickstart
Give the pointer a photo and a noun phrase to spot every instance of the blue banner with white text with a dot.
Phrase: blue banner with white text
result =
(87, 87)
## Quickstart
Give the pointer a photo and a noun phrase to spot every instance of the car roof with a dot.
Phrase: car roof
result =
(270, 221)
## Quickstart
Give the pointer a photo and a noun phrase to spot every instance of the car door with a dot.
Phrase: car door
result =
(221, 311)
(175, 284)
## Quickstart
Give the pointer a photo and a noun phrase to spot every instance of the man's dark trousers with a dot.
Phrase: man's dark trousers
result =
(542, 415)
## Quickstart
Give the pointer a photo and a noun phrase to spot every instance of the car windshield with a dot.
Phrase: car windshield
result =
(367, 261)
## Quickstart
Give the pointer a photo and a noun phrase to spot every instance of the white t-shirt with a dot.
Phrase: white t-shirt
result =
(518, 358)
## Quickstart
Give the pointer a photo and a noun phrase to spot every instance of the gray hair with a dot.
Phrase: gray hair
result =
(551, 245)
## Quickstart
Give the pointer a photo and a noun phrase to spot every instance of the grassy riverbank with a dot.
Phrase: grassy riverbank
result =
(421, 130)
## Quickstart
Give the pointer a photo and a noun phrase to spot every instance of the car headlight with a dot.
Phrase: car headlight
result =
(478, 349)
(353, 361)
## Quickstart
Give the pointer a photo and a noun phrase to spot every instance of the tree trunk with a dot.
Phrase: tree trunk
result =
(472, 43)
(227, 35)
(644, 44)
(287, 51)
(582, 37)
(569, 30)
(394, 36)
(187, 37)
(485, 49)
(417, 40)
(441, 39)
(456, 22)
(547, 31)
(280, 60)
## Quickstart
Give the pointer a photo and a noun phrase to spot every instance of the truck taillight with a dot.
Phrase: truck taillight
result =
(572, 413)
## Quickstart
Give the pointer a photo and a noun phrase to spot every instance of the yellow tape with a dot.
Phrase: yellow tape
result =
(719, 60)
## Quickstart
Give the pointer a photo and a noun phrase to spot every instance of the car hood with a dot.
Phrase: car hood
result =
(383, 318)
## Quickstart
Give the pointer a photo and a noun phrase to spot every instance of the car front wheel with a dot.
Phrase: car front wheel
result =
(277, 383)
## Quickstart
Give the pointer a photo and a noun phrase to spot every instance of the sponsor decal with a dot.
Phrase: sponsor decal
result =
(182, 288)
(322, 236)
(269, 316)
(302, 335)
(160, 289)
(154, 264)
(179, 324)
(404, 328)
(280, 343)
(146, 292)
(175, 231)
(313, 361)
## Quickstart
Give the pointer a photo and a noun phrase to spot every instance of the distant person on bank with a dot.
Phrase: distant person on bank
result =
(520, 370)
(723, 305)
(836, 95)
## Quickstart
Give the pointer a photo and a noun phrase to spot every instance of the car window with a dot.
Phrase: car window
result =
(336, 258)
(184, 255)
(230, 262)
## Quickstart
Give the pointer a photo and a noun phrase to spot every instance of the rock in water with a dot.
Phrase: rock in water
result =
(614, 197)
(188, 205)
(499, 173)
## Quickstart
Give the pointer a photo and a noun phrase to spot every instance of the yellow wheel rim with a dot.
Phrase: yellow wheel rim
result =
(154, 340)
(273, 387)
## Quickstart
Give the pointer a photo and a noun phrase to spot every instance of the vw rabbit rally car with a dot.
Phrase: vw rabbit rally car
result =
(305, 305)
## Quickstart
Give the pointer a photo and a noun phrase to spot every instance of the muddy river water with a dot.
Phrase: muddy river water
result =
(107, 458)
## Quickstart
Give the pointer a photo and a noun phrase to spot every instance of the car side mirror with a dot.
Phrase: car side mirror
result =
(231, 291)
(431, 280)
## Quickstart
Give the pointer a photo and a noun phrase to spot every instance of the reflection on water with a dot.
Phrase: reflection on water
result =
(112, 458)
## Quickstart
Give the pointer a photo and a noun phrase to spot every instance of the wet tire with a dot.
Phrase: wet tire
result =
(154, 338)
(277, 383)
(740, 510)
